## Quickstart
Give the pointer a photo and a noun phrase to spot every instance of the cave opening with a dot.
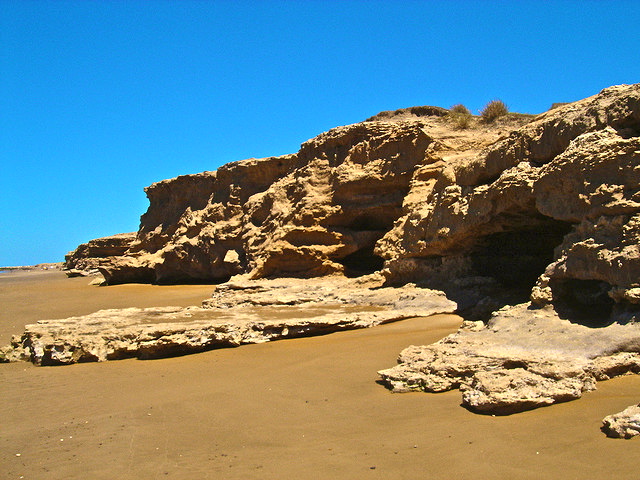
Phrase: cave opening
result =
(516, 258)
(361, 262)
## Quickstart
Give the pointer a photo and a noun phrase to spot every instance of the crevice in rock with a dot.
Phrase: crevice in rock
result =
(629, 132)
(504, 266)
(583, 301)
(361, 262)
(628, 128)
(368, 223)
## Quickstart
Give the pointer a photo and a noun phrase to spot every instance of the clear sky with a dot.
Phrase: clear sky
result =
(99, 99)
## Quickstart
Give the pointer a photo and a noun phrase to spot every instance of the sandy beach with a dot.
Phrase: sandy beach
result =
(307, 408)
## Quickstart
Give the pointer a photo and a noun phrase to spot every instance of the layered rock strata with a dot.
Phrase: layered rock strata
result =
(98, 252)
(544, 209)
(237, 314)
(521, 359)
(319, 211)
(553, 206)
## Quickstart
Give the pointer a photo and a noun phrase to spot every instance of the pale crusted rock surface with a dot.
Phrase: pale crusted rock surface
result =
(624, 424)
(262, 311)
(522, 359)
(513, 390)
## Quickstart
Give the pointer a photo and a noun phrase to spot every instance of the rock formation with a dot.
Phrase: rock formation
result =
(316, 212)
(238, 313)
(98, 252)
(523, 358)
(533, 220)
(625, 424)
(490, 215)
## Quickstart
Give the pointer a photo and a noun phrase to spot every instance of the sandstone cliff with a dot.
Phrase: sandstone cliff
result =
(545, 206)
(529, 224)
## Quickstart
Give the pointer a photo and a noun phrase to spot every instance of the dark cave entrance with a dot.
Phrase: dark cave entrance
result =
(583, 301)
(516, 258)
(366, 229)
(361, 262)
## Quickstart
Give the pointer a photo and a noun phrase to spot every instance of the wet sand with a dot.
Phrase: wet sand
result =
(306, 409)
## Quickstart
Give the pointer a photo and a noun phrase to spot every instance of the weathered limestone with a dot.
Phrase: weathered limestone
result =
(625, 424)
(319, 211)
(97, 252)
(239, 313)
(521, 359)
(544, 209)
(554, 202)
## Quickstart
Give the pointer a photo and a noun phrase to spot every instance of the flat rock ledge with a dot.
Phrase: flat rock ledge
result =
(624, 424)
(238, 313)
(521, 360)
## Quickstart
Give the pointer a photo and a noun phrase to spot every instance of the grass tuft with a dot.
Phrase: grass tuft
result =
(493, 110)
(460, 116)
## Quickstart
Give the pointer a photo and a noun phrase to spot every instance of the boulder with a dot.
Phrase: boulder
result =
(624, 424)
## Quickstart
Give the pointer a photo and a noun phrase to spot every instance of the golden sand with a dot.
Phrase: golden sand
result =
(295, 409)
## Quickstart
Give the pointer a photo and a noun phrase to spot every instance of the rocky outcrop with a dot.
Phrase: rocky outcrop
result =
(522, 359)
(551, 205)
(239, 313)
(625, 424)
(543, 210)
(98, 252)
(490, 214)
(319, 211)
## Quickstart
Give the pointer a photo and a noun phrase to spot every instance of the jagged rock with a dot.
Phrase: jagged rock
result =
(624, 424)
(319, 211)
(546, 209)
(551, 206)
(262, 311)
(522, 359)
(91, 255)
(506, 391)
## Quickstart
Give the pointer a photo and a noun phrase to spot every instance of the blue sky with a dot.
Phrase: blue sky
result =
(100, 99)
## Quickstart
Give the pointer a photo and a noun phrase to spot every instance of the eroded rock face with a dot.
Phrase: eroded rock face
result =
(491, 215)
(97, 252)
(553, 206)
(546, 209)
(317, 212)
(522, 359)
(239, 313)
(625, 424)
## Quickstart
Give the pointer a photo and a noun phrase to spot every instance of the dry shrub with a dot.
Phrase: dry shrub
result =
(460, 116)
(460, 109)
(493, 110)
